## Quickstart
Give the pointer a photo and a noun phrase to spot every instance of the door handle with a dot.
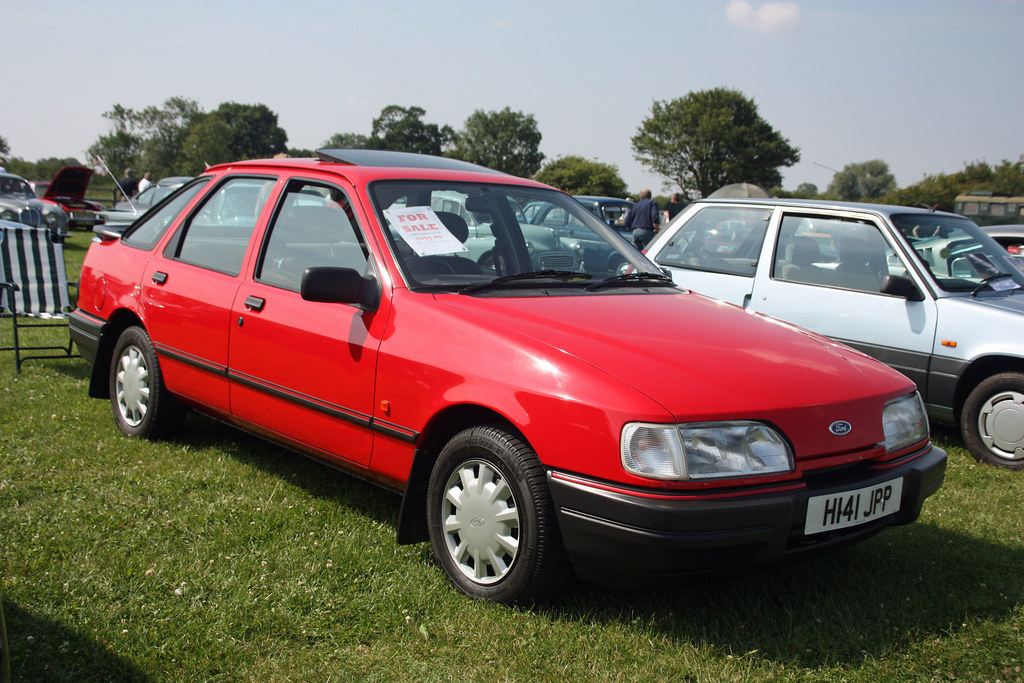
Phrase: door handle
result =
(159, 277)
(254, 303)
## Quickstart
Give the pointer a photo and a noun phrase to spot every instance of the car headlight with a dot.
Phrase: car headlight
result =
(904, 422)
(8, 215)
(52, 218)
(704, 450)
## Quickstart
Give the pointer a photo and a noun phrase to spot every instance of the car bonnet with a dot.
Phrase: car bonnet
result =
(702, 359)
(70, 181)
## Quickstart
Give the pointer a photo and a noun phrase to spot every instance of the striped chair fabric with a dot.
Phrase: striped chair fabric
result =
(33, 289)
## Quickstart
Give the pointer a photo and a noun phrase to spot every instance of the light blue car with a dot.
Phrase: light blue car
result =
(927, 292)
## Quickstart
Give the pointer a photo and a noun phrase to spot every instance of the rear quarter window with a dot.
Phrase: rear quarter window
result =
(718, 239)
(147, 231)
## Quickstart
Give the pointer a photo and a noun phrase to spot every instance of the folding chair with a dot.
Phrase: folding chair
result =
(33, 289)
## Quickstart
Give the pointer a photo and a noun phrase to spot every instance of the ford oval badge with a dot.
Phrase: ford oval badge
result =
(840, 428)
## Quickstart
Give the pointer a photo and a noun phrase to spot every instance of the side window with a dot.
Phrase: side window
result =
(719, 239)
(314, 226)
(147, 231)
(834, 252)
(217, 235)
(555, 216)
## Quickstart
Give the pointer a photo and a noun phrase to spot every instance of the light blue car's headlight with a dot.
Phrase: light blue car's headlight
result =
(704, 450)
(904, 422)
(8, 215)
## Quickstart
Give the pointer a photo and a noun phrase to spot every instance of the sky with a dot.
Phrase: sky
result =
(927, 86)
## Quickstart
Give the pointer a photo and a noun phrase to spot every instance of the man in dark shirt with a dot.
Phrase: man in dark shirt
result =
(129, 184)
(674, 206)
(642, 219)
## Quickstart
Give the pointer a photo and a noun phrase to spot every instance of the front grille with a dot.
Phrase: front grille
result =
(30, 216)
(555, 260)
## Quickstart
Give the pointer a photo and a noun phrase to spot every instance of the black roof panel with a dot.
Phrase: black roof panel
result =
(389, 158)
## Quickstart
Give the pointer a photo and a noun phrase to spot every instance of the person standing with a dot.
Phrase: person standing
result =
(129, 184)
(642, 219)
(674, 206)
(146, 182)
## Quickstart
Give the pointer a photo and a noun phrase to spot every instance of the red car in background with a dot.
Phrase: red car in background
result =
(67, 190)
(534, 420)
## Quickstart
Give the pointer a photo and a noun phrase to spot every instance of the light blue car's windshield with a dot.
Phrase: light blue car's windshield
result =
(958, 254)
(455, 235)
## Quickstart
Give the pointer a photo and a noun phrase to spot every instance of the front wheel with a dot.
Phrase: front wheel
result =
(491, 520)
(992, 421)
(142, 405)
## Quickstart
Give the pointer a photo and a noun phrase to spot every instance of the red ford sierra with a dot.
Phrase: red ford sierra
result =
(538, 422)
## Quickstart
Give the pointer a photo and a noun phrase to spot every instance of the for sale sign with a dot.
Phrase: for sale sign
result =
(422, 230)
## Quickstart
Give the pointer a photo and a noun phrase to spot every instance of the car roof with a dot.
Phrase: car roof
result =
(602, 200)
(1011, 230)
(370, 164)
(173, 180)
(883, 209)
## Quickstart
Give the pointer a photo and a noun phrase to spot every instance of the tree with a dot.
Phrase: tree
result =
(208, 142)
(122, 147)
(709, 139)
(806, 190)
(347, 141)
(163, 131)
(576, 175)
(940, 190)
(5, 149)
(504, 140)
(254, 130)
(401, 129)
(863, 181)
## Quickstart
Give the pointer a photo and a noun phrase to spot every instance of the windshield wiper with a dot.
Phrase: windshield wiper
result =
(987, 282)
(564, 275)
(642, 279)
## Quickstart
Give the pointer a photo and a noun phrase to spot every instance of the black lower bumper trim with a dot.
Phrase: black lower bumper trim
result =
(613, 535)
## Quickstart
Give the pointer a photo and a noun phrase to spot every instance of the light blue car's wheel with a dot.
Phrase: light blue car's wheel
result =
(993, 420)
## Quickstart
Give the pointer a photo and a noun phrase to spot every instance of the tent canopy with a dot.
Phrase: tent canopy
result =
(739, 190)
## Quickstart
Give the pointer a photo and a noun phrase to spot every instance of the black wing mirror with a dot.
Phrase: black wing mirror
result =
(340, 286)
(897, 285)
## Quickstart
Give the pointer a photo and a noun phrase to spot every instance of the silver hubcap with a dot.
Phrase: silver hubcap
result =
(132, 386)
(1001, 424)
(481, 522)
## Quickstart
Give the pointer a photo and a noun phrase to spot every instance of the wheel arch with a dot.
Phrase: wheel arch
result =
(122, 319)
(412, 519)
(977, 372)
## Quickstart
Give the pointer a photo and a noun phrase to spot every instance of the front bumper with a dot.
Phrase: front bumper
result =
(615, 535)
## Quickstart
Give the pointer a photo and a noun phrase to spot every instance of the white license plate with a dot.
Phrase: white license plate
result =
(850, 508)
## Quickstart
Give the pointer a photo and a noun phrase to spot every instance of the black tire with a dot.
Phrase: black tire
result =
(142, 405)
(499, 542)
(992, 421)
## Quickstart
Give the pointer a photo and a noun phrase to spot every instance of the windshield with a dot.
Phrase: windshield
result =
(16, 187)
(958, 254)
(469, 236)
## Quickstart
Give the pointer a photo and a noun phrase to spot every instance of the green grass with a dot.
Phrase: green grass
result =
(219, 557)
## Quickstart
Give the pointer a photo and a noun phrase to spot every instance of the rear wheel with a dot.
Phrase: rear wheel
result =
(992, 422)
(491, 520)
(142, 405)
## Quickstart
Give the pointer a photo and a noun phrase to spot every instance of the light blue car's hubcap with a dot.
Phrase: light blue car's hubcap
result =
(1001, 423)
